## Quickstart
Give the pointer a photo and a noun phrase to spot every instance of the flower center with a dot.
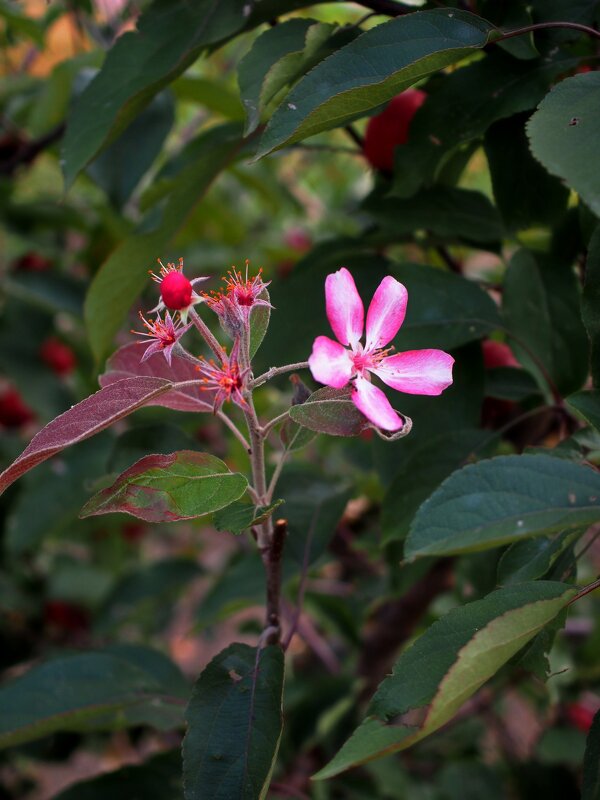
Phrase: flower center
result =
(368, 359)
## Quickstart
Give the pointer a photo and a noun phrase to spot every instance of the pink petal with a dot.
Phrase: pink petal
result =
(153, 347)
(373, 403)
(417, 371)
(345, 310)
(330, 363)
(386, 312)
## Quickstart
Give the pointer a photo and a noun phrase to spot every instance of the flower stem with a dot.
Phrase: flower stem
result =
(235, 430)
(274, 371)
(576, 26)
(206, 334)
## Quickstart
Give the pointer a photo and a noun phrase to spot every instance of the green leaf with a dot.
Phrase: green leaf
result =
(562, 134)
(371, 70)
(546, 291)
(591, 763)
(590, 303)
(215, 95)
(125, 273)
(510, 383)
(164, 488)
(524, 191)
(587, 405)
(158, 778)
(285, 39)
(502, 500)
(170, 35)
(330, 411)
(444, 211)
(88, 691)
(532, 558)
(259, 323)
(420, 474)
(122, 165)
(462, 105)
(239, 516)
(234, 725)
(446, 665)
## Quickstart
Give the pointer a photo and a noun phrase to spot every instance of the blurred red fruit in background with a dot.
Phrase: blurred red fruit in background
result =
(32, 262)
(390, 128)
(133, 531)
(579, 716)
(298, 240)
(66, 616)
(13, 410)
(58, 356)
(497, 354)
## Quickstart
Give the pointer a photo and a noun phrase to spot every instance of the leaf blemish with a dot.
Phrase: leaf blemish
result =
(235, 677)
(574, 121)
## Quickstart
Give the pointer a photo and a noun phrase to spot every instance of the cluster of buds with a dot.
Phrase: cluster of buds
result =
(226, 375)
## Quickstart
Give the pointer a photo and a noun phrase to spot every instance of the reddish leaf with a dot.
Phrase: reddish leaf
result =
(165, 488)
(84, 420)
(125, 363)
(330, 411)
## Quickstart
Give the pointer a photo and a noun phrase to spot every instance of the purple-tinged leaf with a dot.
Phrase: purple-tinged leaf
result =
(84, 420)
(165, 488)
(330, 411)
(126, 363)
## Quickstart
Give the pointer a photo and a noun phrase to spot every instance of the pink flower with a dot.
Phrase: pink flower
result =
(165, 335)
(414, 371)
(234, 304)
(227, 378)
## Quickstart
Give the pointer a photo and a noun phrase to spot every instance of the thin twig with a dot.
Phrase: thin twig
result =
(272, 558)
(235, 430)
(275, 371)
(268, 426)
(206, 334)
(591, 587)
(302, 584)
(538, 26)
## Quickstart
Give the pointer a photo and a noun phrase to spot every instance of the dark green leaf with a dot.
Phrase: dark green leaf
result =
(531, 559)
(587, 405)
(164, 488)
(330, 411)
(420, 474)
(158, 778)
(590, 303)
(556, 345)
(371, 70)
(502, 500)
(562, 134)
(524, 191)
(510, 383)
(76, 693)
(170, 35)
(125, 272)
(462, 105)
(446, 665)
(122, 165)
(591, 763)
(443, 211)
(234, 725)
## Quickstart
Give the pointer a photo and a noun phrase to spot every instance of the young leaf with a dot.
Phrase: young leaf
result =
(562, 134)
(84, 420)
(87, 691)
(330, 411)
(234, 725)
(125, 363)
(502, 500)
(591, 763)
(259, 322)
(446, 665)
(164, 488)
(239, 516)
(371, 70)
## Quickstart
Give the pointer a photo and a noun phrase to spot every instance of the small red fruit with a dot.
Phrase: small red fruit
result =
(133, 531)
(33, 262)
(390, 128)
(13, 411)
(176, 291)
(497, 354)
(579, 716)
(66, 616)
(298, 240)
(58, 356)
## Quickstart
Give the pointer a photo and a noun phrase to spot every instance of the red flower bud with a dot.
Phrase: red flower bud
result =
(389, 129)
(33, 262)
(176, 291)
(58, 356)
(13, 410)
